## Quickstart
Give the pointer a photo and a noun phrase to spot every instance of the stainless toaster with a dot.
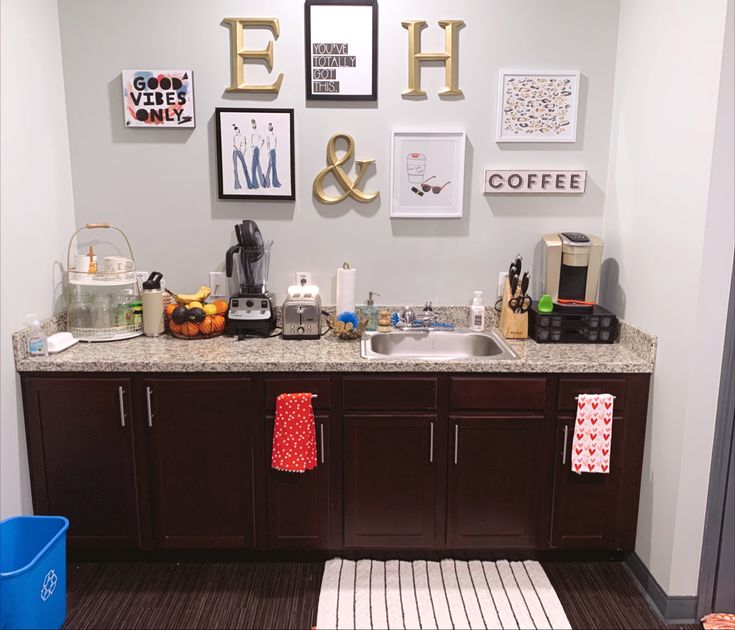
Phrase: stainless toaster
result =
(302, 313)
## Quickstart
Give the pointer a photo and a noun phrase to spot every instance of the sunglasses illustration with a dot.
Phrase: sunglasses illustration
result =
(427, 187)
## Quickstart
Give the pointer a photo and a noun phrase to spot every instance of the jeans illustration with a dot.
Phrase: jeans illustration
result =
(237, 155)
(271, 174)
(258, 177)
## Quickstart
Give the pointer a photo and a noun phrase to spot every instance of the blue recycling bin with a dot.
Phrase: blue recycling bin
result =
(33, 572)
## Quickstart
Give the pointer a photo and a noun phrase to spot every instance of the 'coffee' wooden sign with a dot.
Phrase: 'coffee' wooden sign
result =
(535, 181)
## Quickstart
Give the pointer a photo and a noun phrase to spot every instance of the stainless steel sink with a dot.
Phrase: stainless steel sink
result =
(432, 345)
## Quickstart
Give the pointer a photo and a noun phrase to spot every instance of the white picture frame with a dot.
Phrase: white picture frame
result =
(427, 174)
(537, 105)
(158, 99)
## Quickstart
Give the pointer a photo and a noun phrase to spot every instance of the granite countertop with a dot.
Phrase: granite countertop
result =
(634, 352)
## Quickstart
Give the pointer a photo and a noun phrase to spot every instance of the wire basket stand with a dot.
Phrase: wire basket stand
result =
(101, 305)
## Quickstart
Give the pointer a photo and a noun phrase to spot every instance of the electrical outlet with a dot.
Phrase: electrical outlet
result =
(303, 277)
(501, 282)
(218, 284)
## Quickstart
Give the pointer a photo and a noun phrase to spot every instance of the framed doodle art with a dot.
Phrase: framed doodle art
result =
(255, 153)
(537, 106)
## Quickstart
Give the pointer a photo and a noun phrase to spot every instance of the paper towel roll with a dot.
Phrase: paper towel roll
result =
(346, 281)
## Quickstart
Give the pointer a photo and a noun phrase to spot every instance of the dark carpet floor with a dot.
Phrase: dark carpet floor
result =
(285, 595)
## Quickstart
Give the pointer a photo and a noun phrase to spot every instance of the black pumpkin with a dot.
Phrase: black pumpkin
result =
(196, 315)
(180, 315)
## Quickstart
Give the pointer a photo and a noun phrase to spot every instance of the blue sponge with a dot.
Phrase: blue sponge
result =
(348, 317)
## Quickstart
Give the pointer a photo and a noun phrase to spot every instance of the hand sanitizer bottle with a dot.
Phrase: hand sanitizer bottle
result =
(37, 341)
(477, 312)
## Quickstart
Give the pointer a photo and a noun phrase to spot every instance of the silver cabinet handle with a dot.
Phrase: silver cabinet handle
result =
(321, 439)
(456, 442)
(121, 396)
(564, 447)
(431, 443)
(148, 392)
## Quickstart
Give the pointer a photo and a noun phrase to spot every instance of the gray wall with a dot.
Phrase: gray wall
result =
(160, 185)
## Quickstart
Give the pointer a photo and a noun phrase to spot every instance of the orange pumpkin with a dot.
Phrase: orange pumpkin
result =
(190, 329)
(206, 326)
(222, 306)
(218, 323)
(174, 327)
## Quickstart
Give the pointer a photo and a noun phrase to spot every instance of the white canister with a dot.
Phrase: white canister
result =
(152, 298)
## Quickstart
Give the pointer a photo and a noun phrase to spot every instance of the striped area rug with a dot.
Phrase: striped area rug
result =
(446, 594)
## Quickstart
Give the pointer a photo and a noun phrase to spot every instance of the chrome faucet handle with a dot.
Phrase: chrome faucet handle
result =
(408, 315)
(427, 307)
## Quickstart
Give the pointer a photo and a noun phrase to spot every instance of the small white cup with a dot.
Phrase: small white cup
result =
(81, 262)
(118, 264)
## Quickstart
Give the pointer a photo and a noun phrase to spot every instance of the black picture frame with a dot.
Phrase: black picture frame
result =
(372, 94)
(231, 121)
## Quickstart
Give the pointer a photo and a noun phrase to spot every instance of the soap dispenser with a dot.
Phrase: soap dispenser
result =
(477, 312)
(371, 312)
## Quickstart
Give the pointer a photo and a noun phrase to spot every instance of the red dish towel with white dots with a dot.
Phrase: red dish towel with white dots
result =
(294, 434)
(592, 434)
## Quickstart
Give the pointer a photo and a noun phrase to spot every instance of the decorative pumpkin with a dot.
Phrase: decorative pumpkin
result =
(222, 306)
(218, 323)
(196, 315)
(190, 329)
(174, 327)
(206, 326)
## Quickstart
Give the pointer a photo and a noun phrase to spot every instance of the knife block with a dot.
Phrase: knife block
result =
(512, 325)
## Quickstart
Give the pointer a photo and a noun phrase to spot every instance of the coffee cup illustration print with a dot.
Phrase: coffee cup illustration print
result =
(415, 167)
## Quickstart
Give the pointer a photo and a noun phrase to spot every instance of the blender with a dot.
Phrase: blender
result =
(252, 309)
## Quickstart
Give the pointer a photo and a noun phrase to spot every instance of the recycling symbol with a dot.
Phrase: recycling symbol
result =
(49, 585)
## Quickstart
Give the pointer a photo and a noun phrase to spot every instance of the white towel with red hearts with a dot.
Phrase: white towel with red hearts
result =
(592, 434)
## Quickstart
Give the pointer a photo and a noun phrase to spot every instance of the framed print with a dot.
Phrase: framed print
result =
(158, 98)
(537, 106)
(427, 175)
(341, 49)
(255, 153)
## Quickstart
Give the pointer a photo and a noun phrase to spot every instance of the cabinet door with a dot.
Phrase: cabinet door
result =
(495, 482)
(81, 451)
(201, 452)
(299, 503)
(392, 496)
(585, 504)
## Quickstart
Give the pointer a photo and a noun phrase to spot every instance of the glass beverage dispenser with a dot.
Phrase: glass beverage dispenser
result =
(103, 305)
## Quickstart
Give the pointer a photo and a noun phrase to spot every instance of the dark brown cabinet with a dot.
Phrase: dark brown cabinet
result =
(201, 449)
(584, 504)
(495, 482)
(405, 461)
(80, 439)
(392, 486)
(298, 504)
(599, 511)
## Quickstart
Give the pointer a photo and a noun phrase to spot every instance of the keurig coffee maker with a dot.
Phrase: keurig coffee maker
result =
(571, 278)
(572, 262)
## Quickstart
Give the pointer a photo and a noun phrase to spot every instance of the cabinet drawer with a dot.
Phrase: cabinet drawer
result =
(570, 388)
(274, 387)
(501, 394)
(388, 393)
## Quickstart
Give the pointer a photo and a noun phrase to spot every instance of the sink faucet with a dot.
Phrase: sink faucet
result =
(425, 321)
(429, 317)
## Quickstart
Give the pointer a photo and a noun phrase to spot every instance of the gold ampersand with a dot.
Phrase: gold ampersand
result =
(350, 188)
